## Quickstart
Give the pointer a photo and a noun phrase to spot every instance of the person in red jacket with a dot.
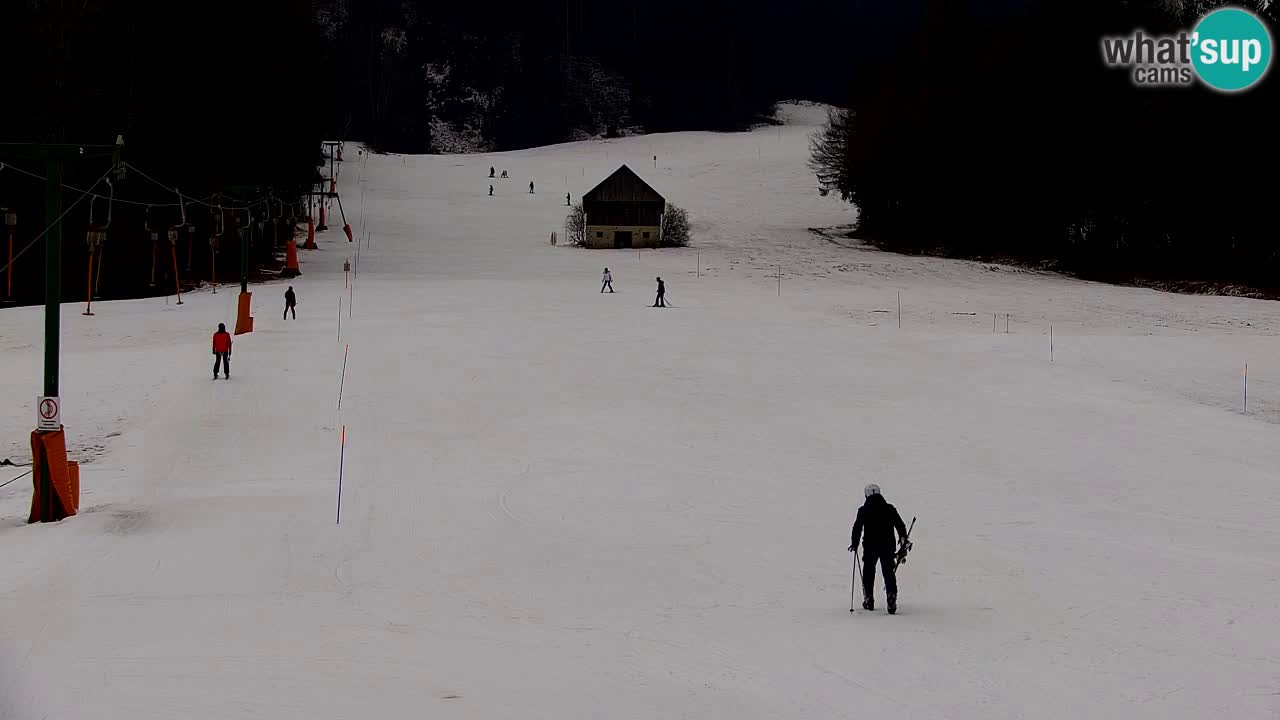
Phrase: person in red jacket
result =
(222, 351)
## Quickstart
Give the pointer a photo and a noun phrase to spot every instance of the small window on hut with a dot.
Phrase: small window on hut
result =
(599, 234)
(646, 236)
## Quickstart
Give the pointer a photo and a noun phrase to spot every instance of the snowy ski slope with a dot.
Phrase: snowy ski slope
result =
(561, 504)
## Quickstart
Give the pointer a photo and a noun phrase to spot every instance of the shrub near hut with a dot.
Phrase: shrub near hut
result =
(575, 226)
(675, 227)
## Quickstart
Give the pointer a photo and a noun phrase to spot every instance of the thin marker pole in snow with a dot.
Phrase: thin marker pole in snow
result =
(699, 264)
(1246, 387)
(779, 281)
(1050, 343)
(899, 309)
(351, 301)
(339, 318)
(342, 458)
(993, 323)
(1006, 323)
(343, 381)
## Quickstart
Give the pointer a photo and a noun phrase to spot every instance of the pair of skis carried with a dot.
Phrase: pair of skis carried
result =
(899, 558)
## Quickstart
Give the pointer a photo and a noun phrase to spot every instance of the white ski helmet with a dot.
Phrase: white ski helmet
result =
(872, 489)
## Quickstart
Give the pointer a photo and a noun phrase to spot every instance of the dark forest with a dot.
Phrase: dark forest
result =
(995, 131)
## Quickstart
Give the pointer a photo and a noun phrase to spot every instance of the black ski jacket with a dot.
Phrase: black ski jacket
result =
(878, 519)
(290, 299)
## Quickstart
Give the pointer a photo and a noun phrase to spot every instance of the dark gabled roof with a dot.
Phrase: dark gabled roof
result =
(623, 186)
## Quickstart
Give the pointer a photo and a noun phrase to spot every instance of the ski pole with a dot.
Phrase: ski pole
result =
(857, 570)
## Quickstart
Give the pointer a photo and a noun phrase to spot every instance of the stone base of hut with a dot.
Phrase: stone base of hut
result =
(623, 236)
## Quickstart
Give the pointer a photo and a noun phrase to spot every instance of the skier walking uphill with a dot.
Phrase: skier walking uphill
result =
(290, 303)
(661, 301)
(607, 281)
(222, 351)
(877, 519)
(531, 188)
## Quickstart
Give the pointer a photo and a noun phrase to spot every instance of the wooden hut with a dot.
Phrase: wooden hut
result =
(623, 212)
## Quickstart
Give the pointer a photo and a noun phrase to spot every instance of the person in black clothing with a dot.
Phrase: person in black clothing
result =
(290, 304)
(662, 294)
(877, 519)
(491, 172)
(490, 191)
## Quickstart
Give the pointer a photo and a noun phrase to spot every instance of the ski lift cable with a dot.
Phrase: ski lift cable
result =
(140, 203)
(13, 480)
(72, 188)
(170, 188)
(37, 238)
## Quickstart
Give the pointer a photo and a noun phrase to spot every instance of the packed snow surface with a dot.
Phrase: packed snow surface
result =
(561, 504)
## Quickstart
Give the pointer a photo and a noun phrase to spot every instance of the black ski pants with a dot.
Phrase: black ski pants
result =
(870, 556)
(222, 361)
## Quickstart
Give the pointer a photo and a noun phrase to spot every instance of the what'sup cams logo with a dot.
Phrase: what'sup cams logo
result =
(1229, 50)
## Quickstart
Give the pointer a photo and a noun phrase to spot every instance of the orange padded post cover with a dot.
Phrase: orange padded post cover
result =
(291, 268)
(57, 482)
(244, 321)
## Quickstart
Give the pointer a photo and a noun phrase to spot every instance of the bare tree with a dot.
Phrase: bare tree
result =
(675, 227)
(828, 152)
(575, 226)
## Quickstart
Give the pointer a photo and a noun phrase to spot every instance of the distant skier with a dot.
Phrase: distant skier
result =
(222, 351)
(504, 174)
(661, 301)
(877, 519)
(566, 200)
(607, 281)
(531, 187)
(491, 172)
(290, 304)
(490, 191)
